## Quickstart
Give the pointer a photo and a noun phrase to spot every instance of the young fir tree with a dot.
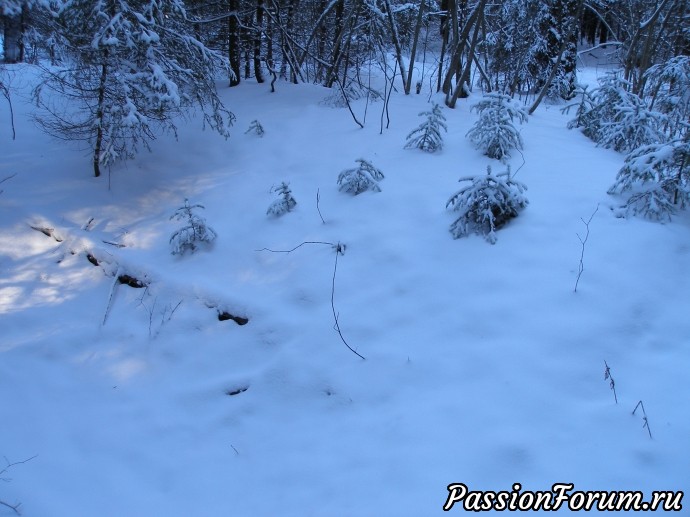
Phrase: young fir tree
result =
(495, 132)
(613, 117)
(667, 89)
(134, 66)
(256, 128)
(193, 234)
(285, 202)
(427, 136)
(658, 178)
(486, 204)
(363, 178)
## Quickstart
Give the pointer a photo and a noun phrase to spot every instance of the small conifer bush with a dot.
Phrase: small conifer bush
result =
(427, 136)
(494, 132)
(357, 180)
(657, 177)
(256, 128)
(193, 234)
(485, 204)
(285, 202)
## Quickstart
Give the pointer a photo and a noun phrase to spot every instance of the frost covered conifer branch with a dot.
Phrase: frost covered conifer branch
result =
(495, 133)
(486, 204)
(285, 202)
(357, 180)
(428, 136)
(133, 68)
(194, 233)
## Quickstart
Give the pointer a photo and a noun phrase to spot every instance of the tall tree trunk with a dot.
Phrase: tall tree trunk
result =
(465, 77)
(100, 111)
(396, 43)
(12, 38)
(234, 50)
(413, 52)
(459, 45)
(258, 73)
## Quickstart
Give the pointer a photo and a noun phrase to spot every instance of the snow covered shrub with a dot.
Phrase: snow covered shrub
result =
(658, 178)
(194, 233)
(427, 136)
(494, 132)
(668, 90)
(256, 128)
(133, 69)
(284, 204)
(486, 204)
(363, 178)
(353, 91)
(615, 118)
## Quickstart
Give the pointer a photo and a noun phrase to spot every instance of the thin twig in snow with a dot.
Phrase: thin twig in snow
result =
(5, 179)
(581, 267)
(298, 246)
(609, 377)
(318, 198)
(644, 417)
(336, 326)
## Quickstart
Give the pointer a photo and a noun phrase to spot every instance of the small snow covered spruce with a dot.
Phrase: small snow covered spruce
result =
(615, 118)
(486, 204)
(256, 128)
(495, 132)
(658, 178)
(284, 204)
(363, 178)
(427, 136)
(193, 234)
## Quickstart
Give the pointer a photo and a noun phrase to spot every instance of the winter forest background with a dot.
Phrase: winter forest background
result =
(326, 257)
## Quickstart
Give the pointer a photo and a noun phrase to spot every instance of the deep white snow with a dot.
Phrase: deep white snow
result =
(482, 365)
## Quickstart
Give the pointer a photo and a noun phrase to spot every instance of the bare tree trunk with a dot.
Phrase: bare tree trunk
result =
(396, 44)
(234, 54)
(459, 45)
(413, 52)
(258, 73)
(574, 24)
(465, 77)
(12, 38)
(99, 117)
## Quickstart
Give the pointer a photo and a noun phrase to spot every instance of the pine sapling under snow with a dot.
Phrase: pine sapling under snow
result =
(486, 204)
(658, 178)
(427, 136)
(495, 132)
(284, 204)
(363, 178)
(256, 128)
(193, 234)
(615, 118)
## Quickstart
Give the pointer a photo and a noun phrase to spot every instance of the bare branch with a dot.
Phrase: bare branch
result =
(581, 267)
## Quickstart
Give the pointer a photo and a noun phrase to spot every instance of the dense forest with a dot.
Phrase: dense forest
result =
(116, 72)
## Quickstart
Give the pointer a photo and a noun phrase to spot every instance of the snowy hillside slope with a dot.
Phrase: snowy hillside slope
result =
(482, 365)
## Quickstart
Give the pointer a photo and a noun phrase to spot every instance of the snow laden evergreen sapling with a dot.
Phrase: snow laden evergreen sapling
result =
(284, 204)
(486, 204)
(615, 118)
(667, 88)
(194, 233)
(658, 178)
(134, 67)
(256, 128)
(494, 132)
(427, 136)
(360, 179)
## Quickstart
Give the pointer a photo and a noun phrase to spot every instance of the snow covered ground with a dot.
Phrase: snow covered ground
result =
(482, 367)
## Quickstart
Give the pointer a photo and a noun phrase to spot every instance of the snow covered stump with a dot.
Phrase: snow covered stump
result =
(486, 204)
